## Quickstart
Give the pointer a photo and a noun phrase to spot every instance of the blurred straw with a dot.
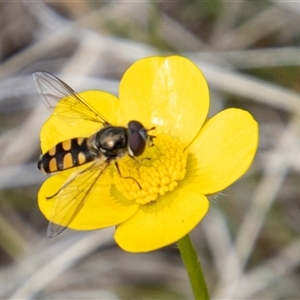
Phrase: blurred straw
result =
(58, 261)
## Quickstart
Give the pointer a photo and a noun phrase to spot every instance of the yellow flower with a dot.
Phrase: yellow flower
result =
(191, 157)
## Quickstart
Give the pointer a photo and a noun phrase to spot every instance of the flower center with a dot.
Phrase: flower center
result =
(156, 172)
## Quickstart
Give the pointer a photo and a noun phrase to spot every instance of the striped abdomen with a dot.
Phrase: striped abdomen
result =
(65, 155)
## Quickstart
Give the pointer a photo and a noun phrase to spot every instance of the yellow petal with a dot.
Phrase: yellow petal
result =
(162, 223)
(224, 150)
(167, 92)
(57, 129)
(104, 207)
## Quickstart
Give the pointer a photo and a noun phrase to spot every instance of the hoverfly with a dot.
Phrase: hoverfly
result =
(107, 145)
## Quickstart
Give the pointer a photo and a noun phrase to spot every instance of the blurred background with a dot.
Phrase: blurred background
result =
(249, 51)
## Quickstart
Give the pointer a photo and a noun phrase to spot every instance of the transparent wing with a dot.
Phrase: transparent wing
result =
(71, 105)
(72, 196)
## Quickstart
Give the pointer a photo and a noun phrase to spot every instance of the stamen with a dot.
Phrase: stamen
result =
(158, 171)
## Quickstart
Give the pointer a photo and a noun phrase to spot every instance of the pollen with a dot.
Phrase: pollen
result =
(154, 173)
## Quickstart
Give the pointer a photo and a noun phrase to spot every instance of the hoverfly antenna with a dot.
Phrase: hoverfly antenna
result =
(152, 128)
(151, 136)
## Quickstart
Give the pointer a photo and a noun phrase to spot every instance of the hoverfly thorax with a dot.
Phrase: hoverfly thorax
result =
(110, 141)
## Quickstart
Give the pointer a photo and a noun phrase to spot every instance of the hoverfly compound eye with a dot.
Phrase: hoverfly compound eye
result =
(137, 137)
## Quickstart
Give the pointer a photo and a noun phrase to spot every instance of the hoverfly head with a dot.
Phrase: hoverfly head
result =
(138, 138)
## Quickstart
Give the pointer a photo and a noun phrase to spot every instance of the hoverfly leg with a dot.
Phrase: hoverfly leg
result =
(126, 177)
(140, 161)
(146, 158)
(52, 196)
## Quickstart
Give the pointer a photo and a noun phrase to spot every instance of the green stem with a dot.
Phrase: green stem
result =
(193, 268)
